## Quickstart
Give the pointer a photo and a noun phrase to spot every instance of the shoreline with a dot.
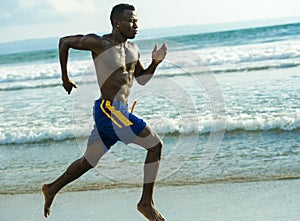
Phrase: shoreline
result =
(271, 200)
(112, 186)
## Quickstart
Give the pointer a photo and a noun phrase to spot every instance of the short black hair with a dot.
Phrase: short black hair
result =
(118, 10)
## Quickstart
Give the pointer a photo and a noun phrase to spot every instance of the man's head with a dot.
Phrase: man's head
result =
(123, 18)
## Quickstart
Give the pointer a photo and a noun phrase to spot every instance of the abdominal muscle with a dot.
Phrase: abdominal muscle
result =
(117, 87)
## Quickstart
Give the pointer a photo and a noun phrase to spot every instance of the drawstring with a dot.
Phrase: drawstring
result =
(133, 106)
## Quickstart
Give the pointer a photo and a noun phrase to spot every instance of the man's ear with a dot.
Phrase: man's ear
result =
(116, 23)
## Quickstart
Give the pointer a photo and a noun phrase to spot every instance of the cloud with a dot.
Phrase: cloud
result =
(18, 12)
(24, 4)
(59, 7)
(5, 14)
(72, 7)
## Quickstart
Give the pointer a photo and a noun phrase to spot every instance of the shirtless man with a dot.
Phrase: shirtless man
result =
(117, 64)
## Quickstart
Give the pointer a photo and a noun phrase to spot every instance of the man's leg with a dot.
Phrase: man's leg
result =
(90, 159)
(151, 141)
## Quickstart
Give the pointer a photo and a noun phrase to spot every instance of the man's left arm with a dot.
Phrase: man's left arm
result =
(144, 75)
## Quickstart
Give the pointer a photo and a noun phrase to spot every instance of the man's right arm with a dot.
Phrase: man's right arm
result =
(89, 42)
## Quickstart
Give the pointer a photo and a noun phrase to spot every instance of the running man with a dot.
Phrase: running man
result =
(117, 63)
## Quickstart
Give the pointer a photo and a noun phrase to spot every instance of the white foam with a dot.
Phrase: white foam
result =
(250, 53)
(229, 58)
(240, 122)
(167, 126)
(35, 135)
(40, 71)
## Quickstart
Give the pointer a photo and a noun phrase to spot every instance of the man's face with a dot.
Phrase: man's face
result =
(128, 24)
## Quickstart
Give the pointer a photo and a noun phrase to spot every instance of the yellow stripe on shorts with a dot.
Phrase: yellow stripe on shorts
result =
(108, 115)
(118, 114)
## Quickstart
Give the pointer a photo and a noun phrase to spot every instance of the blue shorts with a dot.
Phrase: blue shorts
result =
(114, 123)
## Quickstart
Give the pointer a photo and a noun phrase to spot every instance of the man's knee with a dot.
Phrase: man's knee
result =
(87, 164)
(80, 165)
(157, 149)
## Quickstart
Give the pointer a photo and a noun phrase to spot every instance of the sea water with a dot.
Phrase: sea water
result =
(226, 105)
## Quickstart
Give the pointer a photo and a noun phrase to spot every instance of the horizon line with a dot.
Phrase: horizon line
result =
(211, 27)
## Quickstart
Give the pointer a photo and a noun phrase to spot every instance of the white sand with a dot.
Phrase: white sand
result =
(261, 201)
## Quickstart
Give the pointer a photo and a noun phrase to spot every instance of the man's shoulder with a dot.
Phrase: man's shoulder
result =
(93, 35)
(93, 38)
(133, 45)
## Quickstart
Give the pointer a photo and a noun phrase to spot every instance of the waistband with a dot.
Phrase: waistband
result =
(117, 104)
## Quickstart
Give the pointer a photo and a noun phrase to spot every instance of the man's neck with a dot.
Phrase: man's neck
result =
(117, 38)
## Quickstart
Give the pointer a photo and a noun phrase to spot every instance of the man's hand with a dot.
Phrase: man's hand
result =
(68, 85)
(160, 54)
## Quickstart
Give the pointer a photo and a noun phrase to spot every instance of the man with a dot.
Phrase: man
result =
(117, 64)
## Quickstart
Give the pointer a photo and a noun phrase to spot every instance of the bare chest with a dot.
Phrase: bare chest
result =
(118, 58)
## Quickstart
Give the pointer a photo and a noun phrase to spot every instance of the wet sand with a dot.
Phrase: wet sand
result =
(255, 201)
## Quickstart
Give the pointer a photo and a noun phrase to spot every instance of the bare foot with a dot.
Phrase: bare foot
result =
(150, 212)
(48, 199)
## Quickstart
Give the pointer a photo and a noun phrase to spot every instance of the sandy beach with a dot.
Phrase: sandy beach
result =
(272, 200)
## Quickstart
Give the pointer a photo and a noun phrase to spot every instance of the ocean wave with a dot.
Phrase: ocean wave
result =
(257, 67)
(261, 123)
(43, 71)
(27, 85)
(165, 127)
(243, 122)
(49, 55)
(276, 51)
(41, 84)
(239, 36)
(35, 136)
(219, 69)
(252, 57)
(32, 82)
(28, 56)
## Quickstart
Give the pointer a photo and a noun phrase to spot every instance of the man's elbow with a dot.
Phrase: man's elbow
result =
(68, 41)
(143, 79)
(140, 81)
(62, 42)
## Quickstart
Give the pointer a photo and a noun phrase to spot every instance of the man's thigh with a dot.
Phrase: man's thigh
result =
(94, 152)
(148, 138)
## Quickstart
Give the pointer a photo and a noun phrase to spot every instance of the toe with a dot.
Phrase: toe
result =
(46, 212)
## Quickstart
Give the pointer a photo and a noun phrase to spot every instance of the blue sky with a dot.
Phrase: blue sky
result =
(27, 19)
